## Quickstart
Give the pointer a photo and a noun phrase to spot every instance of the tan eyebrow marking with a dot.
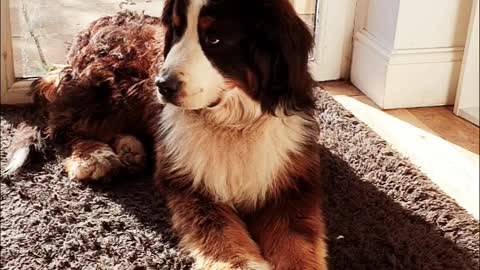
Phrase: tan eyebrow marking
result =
(206, 22)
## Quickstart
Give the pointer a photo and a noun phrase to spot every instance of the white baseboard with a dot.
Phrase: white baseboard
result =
(407, 77)
(470, 114)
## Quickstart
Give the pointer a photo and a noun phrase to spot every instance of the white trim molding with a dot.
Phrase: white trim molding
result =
(406, 54)
(6, 66)
(401, 78)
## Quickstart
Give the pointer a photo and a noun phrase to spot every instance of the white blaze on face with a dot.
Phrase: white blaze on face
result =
(202, 83)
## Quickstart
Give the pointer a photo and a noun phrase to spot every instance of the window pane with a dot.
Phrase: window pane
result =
(42, 30)
(306, 10)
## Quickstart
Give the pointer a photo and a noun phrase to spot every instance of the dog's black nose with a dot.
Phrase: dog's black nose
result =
(168, 86)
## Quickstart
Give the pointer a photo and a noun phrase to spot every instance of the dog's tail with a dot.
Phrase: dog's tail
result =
(28, 139)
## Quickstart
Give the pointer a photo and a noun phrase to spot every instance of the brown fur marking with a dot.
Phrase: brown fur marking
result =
(286, 229)
(212, 232)
(291, 233)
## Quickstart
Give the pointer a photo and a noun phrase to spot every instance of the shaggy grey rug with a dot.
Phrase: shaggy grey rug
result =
(382, 213)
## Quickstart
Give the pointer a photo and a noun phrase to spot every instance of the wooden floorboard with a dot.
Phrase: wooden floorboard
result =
(448, 126)
(440, 121)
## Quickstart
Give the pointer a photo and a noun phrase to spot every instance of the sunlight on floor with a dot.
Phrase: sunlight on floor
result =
(452, 168)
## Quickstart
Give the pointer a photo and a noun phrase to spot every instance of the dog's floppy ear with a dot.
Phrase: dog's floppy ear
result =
(166, 19)
(281, 56)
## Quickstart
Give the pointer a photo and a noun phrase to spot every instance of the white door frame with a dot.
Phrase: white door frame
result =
(467, 99)
(12, 91)
(335, 20)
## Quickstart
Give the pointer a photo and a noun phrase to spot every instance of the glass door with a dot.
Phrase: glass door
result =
(307, 11)
(42, 30)
(40, 41)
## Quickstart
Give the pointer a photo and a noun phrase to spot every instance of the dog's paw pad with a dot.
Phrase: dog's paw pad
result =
(131, 152)
(92, 163)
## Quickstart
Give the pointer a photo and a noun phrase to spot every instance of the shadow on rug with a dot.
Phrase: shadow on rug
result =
(382, 213)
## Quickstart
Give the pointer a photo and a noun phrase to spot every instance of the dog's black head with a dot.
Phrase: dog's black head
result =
(250, 49)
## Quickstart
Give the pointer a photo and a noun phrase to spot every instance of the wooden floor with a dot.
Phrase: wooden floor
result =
(442, 145)
(439, 121)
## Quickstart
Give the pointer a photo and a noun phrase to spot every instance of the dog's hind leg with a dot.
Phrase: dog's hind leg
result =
(92, 161)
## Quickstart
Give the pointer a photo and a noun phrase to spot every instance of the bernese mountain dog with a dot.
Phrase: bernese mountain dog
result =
(222, 90)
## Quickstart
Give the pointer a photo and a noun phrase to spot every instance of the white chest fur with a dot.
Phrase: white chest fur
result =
(237, 166)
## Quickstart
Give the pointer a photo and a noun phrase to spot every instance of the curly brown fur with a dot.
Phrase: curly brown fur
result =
(108, 86)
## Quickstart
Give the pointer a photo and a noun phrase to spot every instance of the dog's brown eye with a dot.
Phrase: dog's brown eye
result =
(212, 40)
(68, 77)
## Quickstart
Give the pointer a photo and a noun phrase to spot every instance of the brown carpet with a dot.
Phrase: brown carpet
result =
(382, 213)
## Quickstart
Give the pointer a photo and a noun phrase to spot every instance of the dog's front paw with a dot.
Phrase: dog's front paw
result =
(261, 265)
(220, 265)
(91, 160)
(131, 152)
